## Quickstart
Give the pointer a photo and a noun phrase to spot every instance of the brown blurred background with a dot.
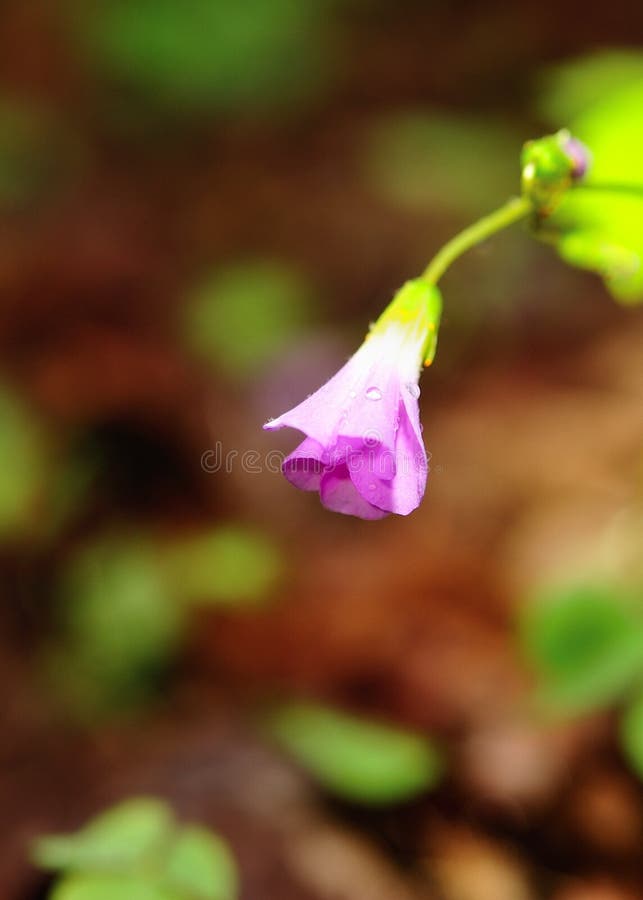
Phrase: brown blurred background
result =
(203, 205)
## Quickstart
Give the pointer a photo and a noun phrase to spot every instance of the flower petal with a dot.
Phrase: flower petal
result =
(339, 494)
(358, 402)
(411, 474)
(402, 492)
(304, 467)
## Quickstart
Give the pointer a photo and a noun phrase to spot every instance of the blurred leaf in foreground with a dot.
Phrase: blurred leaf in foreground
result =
(230, 565)
(111, 887)
(585, 642)
(245, 314)
(360, 760)
(200, 866)
(22, 464)
(632, 735)
(597, 229)
(204, 54)
(571, 88)
(424, 159)
(125, 835)
(137, 851)
(121, 624)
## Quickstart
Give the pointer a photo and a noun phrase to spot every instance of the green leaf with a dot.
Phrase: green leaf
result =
(245, 314)
(35, 152)
(135, 851)
(110, 887)
(359, 760)
(421, 159)
(227, 566)
(632, 735)
(121, 624)
(586, 644)
(124, 836)
(192, 54)
(570, 89)
(200, 866)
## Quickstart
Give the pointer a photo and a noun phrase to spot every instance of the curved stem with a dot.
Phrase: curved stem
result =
(515, 209)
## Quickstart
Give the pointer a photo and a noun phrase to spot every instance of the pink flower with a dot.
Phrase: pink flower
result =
(363, 449)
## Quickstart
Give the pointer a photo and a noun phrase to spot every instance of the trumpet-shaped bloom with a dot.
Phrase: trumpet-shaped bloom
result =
(363, 449)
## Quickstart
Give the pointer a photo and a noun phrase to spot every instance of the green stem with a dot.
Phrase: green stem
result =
(634, 190)
(515, 209)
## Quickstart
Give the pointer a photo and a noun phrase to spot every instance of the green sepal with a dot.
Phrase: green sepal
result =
(417, 306)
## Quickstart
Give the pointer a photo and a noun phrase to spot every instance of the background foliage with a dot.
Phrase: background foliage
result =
(203, 205)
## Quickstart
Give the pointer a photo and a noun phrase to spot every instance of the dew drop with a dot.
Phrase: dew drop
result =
(413, 389)
(372, 486)
(352, 394)
(374, 393)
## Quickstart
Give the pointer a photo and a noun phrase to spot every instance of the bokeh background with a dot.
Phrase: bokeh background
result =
(203, 204)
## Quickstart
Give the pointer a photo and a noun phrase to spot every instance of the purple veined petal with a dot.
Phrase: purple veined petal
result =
(304, 467)
(358, 401)
(410, 397)
(364, 453)
(403, 492)
(338, 493)
(410, 479)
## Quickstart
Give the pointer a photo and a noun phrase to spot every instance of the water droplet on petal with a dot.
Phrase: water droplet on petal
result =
(352, 394)
(374, 393)
(372, 486)
(413, 389)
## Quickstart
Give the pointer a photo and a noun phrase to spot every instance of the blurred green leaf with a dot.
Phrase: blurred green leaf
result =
(245, 314)
(32, 152)
(127, 834)
(201, 867)
(600, 230)
(199, 53)
(229, 565)
(136, 851)
(22, 464)
(632, 735)
(359, 760)
(586, 644)
(121, 624)
(111, 887)
(423, 159)
(568, 90)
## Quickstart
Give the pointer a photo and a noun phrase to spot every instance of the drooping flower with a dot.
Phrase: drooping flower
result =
(363, 449)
